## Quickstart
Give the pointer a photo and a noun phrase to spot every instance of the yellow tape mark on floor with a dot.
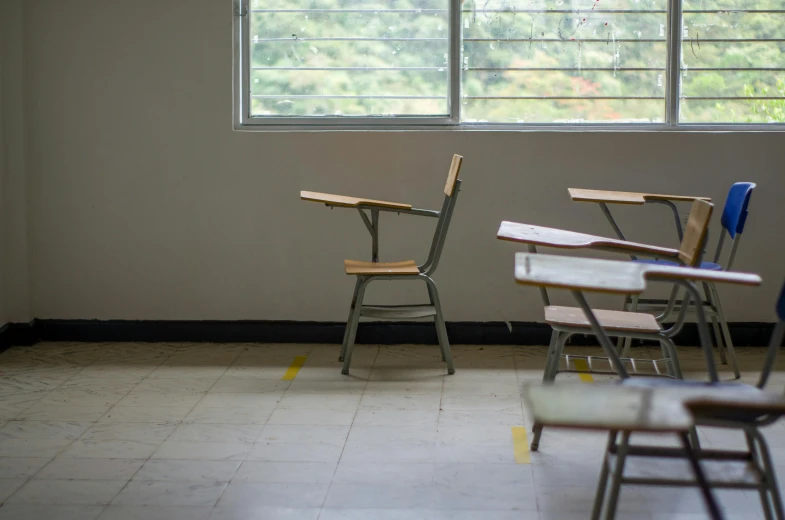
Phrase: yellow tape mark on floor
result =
(520, 445)
(294, 368)
(583, 366)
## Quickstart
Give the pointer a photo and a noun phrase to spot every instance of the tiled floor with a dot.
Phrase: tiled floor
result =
(197, 432)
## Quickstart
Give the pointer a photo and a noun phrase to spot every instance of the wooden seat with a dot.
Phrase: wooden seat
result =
(357, 267)
(609, 320)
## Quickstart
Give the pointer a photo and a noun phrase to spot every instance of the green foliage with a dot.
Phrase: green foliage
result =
(770, 110)
(551, 58)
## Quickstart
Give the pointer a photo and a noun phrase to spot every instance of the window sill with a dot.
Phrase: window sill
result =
(501, 127)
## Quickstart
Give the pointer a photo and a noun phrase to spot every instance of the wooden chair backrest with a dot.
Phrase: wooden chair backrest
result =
(695, 234)
(455, 168)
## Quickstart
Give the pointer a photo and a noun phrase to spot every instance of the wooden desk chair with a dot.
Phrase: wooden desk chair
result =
(367, 272)
(577, 274)
(605, 197)
(567, 321)
(674, 406)
(734, 216)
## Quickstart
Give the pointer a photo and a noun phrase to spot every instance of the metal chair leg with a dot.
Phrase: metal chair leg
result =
(621, 339)
(551, 359)
(700, 477)
(674, 357)
(625, 352)
(618, 473)
(769, 474)
(695, 441)
(348, 321)
(441, 328)
(725, 331)
(718, 340)
(602, 483)
(558, 350)
(555, 350)
(352, 325)
(755, 458)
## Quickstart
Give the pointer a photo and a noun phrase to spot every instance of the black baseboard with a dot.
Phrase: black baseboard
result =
(17, 334)
(383, 333)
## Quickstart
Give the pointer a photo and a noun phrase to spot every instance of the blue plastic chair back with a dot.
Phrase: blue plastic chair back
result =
(781, 304)
(734, 215)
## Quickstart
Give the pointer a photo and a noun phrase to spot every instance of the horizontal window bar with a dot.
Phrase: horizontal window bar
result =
(349, 68)
(480, 11)
(587, 69)
(348, 39)
(372, 11)
(544, 40)
(732, 69)
(734, 40)
(731, 11)
(533, 69)
(568, 97)
(731, 98)
(525, 11)
(584, 40)
(628, 69)
(566, 11)
(320, 96)
(626, 40)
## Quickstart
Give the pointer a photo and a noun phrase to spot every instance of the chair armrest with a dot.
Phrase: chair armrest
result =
(351, 202)
(611, 276)
(562, 239)
(605, 407)
(626, 197)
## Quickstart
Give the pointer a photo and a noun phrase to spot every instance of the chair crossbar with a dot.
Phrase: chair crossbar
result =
(657, 367)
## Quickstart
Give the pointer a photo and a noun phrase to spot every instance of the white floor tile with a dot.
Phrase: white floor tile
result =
(223, 415)
(295, 452)
(148, 414)
(21, 467)
(197, 432)
(206, 431)
(90, 469)
(318, 417)
(156, 513)
(266, 513)
(188, 470)
(49, 512)
(67, 492)
(300, 472)
(202, 450)
(273, 494)
(109, 449)
(170, 493)
(304, 433)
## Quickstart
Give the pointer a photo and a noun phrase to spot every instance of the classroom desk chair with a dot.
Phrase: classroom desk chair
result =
(672, 406)
(367, 272)
(567, 321)
(734, 216)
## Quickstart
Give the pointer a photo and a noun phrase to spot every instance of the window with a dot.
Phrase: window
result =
(510, 62)
(733, 66)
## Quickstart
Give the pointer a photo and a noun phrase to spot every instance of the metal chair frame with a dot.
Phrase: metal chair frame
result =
(670, 358)
(757, 454)
(711, 300)
(403, 312)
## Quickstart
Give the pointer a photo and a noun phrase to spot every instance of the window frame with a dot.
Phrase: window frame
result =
(242, 120)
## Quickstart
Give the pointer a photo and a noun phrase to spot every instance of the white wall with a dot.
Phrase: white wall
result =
(145, 204)
(14, 286)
